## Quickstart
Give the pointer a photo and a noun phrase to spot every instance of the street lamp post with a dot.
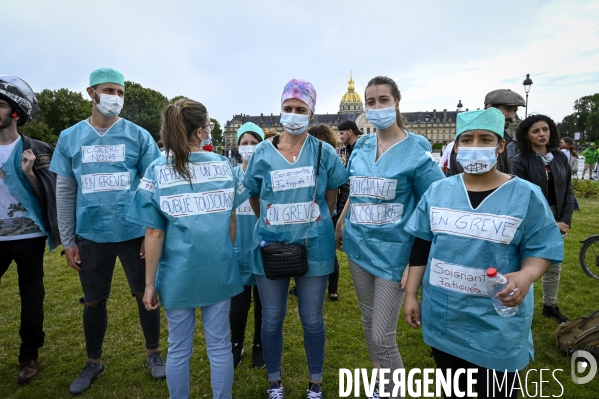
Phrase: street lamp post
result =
(426, 119)
(458, 110)
(527, 83)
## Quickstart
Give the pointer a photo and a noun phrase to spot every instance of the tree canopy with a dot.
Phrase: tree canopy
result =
(584, 119)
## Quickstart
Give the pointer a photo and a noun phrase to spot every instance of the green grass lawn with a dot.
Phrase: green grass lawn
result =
(124, 356)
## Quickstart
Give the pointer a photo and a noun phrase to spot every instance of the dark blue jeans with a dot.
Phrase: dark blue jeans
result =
(97, 267)
(28, 254)
(310, 296)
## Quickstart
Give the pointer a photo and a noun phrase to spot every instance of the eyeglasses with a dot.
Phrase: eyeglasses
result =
(211, 125)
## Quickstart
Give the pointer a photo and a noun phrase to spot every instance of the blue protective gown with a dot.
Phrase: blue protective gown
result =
(108, 169)
(246, 222)
(383, 195)
(457, 315)
(198, 266)
(19, 186)
(285, 192)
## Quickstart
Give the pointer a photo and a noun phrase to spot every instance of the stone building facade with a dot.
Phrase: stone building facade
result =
(437, 126)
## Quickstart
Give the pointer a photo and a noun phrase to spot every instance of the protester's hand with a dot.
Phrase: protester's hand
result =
(142, 250)
(27, 161)
(411, 311)
(563, 228)
(516, 290)
(339, 237)
(73, 257)
(404, 278)
(150, 300)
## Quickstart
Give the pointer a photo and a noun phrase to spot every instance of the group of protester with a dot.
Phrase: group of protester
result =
(188, 228)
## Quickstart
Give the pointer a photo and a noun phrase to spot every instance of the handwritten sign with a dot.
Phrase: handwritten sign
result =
(102, 153)
(289, 179)
(192, 204)
(245, 209)
(482, 226)
(147, 184)
(279, 214)
(362, 186)
(202, 172)
(457, 278)
(375, 213)
(97, 182)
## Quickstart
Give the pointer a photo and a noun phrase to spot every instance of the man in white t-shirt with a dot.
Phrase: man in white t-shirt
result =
(27, 214)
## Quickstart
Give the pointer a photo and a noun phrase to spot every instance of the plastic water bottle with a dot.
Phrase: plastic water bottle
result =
(496, 282)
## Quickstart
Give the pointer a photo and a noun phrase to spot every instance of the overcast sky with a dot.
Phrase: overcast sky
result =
(236, 56)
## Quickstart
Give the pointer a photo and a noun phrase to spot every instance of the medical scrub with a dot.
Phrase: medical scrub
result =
(458, 317)
(107, 169)
(198, 267)
(285, 190)
(383, 195)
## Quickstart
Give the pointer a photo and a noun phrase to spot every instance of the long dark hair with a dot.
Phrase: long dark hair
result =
(384, 80)
(179, 121)
(522, 133)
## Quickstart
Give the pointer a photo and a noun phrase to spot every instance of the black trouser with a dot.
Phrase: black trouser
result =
(97, 267)
(334, 278)
(238, 315)
(28, 254)
(484, 387)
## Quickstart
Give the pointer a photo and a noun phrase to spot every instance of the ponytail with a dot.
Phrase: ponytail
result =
(179, 121)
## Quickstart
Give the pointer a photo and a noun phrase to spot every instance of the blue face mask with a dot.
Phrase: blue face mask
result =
(382, 118)
(477, 160)
(295, 124)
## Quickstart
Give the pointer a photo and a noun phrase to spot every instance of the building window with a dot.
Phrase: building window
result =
(367, 130)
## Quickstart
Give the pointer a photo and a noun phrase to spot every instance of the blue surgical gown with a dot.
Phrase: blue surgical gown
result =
(108, 169)
(198, 266)
(285, 190)
(511, 224)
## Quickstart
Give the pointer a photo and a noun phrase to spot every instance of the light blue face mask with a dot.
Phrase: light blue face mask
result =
(382, 118)
(295, 124)
(477, 160)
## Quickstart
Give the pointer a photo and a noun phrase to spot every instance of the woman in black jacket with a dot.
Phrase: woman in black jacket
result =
(542, 163)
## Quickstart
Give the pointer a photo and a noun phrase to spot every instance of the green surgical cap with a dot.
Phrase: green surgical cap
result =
(490, 119)
(250, 127)
(106, 75)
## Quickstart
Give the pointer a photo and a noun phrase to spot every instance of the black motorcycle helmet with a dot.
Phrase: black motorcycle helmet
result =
(19, 95)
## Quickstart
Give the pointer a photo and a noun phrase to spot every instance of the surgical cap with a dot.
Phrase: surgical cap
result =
(490, 119)
(106, 75)
(251, 128)
(302, 90)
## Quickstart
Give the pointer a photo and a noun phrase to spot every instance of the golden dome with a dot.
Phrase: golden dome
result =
(351, 97)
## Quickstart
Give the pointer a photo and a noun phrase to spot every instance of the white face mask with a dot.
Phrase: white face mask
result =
(110, 105)
(246, 151)
(477, 160)
(295, 124)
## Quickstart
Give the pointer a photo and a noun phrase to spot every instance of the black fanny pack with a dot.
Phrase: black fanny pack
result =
(283, 260)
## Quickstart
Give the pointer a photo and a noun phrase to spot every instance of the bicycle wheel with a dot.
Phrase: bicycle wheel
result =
(589, 257)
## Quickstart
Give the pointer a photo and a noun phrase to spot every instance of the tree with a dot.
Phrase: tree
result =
(143, 107)
(217, 133)
(177, 98)
(585, 119)
(57, 110)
